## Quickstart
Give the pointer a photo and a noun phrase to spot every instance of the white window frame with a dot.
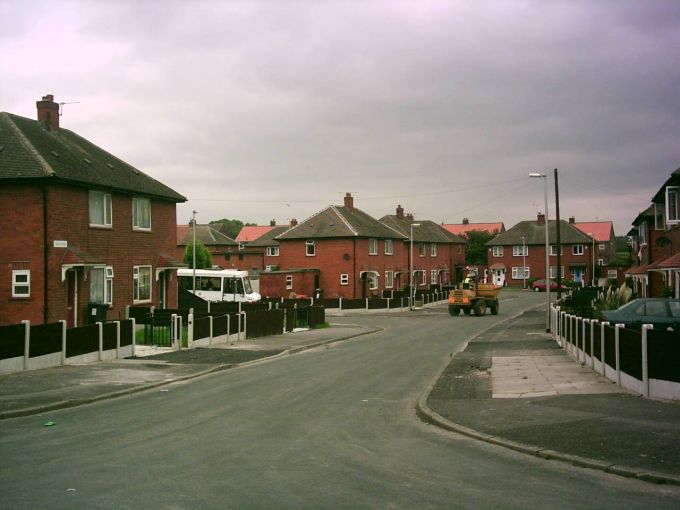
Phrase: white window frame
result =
(138, 204)
(136, 284)
(434, 276)
(344, 279)
(520, 250)
(526, 273)
(672, 205)
(106, 211)
(577, 249)
(310, 248)
(552, 271)
(372, 278)
(659, 217)
(272, 251)
(421, 249)
(612, 274)
(433, 250)
(497, 251)
(289, 282)
(642, 233)
(601, 247)
(16, 285)
(372, 246)
(107, 284)
(553, 250)
(389, 279)
(389, 247)
(600, 262)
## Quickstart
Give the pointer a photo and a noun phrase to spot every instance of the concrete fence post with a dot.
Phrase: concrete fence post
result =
(190, 331)
(27, 342)
(603, 326)
(577, 330)
(245, 326)
(593, 323)
(63, 341)
(366, 303)
(585, 323)
(228, 328)
(173, 329)
(210, 338)
(284, 320)
(180, 327)
(340, 303)
(208, 306)
(133, 325)
(117, 323)
(238, 332)
(127, 312)
(100, 331)
(645, 360)
(618, 354)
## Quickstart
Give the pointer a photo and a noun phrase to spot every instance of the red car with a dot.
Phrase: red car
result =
(539, 286)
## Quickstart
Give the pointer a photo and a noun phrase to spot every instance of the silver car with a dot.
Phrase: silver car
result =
(661, 312)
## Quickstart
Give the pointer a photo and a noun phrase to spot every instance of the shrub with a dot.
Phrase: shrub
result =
(613, 298)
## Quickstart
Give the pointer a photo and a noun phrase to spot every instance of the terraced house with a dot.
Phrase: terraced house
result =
(80, 226)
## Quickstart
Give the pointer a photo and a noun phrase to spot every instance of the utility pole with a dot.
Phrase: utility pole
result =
(558, 269)
(193, 224)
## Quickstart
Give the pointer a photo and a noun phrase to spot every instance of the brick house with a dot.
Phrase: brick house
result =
(604, 249)
(356, 256)
(437, 253)
(215, 241)
(656, 243)
(461, 229)
(80, 226)
(519, 253)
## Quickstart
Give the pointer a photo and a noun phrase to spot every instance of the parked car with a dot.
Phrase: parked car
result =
(661, 312)
(539, 286)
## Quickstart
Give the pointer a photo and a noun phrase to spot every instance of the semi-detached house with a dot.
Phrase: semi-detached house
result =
(79, 226)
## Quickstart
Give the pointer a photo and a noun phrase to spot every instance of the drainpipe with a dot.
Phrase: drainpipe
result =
(45, 255)
(354, 270)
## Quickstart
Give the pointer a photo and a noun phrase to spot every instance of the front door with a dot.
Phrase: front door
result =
(364, 285)
(71, 298)
(499, 277)
(577, 274)
(163, 289)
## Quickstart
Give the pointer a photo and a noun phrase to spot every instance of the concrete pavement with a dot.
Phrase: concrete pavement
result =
(513, 386)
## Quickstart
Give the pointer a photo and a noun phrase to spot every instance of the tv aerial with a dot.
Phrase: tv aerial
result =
(61, 106)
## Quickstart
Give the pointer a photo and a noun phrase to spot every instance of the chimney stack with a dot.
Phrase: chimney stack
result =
(466, 221)
(409, 217)
(400, 212)
(572, 220)
(293, 222)
(541, 219)
(272, 223)
(349, 201)
(48, 112)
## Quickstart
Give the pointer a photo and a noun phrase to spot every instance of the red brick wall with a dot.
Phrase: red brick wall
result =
(535, 260)
(273, 284)
(21, 231)
(68, 220)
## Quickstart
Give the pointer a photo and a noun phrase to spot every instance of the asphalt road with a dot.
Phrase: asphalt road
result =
(330, 428)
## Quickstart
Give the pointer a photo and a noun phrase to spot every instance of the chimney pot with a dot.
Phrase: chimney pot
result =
(400, 212)
(572, 220)
(293, 222)
(272, 223)
(48, 112)
(466, 221)
(409, 217)
(349, 201)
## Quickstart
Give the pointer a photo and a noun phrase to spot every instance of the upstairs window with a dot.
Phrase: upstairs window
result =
(272, 251)
(672, 205)
(372, 246)
(100, 209)
(659, 217)
(389, 250)
(421, 250)
(21, 283)
(553, 250)
(310, 248)
(433, 250)
(141, 213)
(497, 251)
(520, 250)
(577, 249)
(642, 233)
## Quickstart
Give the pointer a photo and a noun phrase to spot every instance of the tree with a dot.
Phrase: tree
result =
(231, 228)
(476, 250)
(203, 257)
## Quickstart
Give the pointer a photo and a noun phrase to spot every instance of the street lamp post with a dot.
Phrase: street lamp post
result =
(592, 256)
(193, 225)
(412, 290)
(524, 263)
(547, 252)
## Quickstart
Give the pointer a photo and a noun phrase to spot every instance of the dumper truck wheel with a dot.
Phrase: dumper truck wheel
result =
(479, 307)
(454, 310)
(494, 308)
(467, 310)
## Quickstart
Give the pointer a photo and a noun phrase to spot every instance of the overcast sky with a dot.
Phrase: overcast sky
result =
(273, 110)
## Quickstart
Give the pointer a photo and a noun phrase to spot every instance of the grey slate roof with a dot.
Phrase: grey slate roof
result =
(208, 235)
(339, 221)
(427, 231)
(268, 239)
(29, 151)
(535, 234)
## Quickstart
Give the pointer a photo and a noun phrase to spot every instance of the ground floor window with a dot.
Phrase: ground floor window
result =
(344, 279)
(389, 279)
(289, 281)
(21, 283)
(553, 271)
(434, 276)
(520, 273)
(141, 283)
(372, 280)
(101, 285)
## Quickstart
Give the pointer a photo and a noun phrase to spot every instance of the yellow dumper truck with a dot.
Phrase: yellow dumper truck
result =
(474, 297)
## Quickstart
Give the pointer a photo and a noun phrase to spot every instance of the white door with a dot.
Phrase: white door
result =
(499, 277)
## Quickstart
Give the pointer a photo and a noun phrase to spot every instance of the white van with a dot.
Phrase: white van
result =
(218, 284)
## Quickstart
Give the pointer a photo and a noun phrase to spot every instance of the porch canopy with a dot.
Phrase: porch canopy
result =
(77, 258)
(166, 263)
